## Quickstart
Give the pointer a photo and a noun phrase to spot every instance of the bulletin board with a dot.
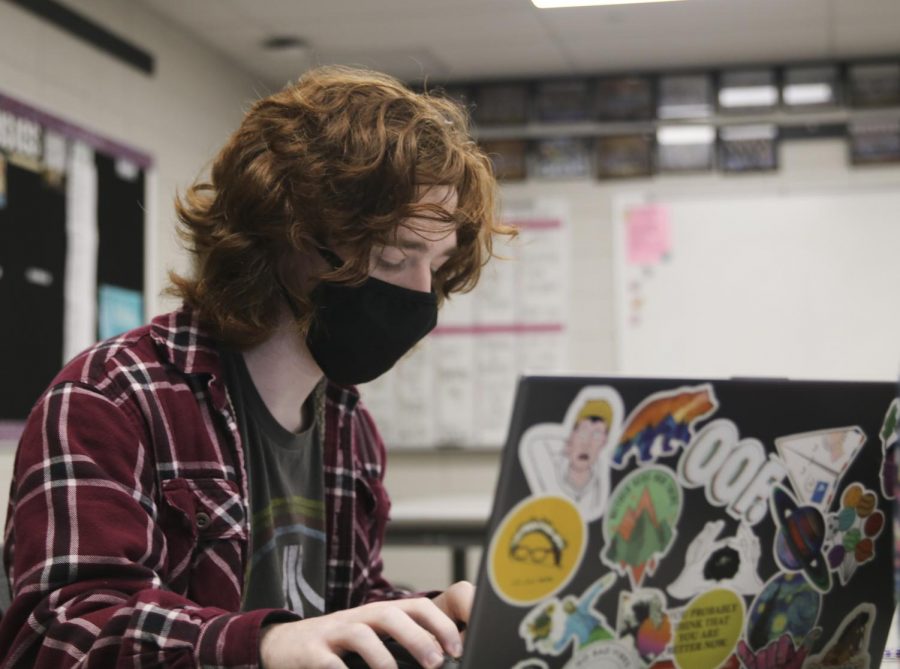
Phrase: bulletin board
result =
(797, 284)
(71, 248)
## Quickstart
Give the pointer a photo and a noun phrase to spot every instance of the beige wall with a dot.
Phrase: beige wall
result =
(184, 112)
(179, 116)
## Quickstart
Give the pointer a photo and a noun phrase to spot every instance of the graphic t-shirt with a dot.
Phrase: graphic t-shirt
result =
(286, 566)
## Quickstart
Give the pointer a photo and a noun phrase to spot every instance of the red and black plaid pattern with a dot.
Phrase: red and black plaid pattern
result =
(128, 525)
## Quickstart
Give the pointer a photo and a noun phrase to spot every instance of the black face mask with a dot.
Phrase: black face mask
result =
(360, 332)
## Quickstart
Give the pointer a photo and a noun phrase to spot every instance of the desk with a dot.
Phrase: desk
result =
(456, 521)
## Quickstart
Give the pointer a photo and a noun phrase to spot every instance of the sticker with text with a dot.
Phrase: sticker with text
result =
(709, 630)
(663, 423)
(607, 655)
(536, 550)
(571, 458)
(712, 561)
(555, 625)
(735, 473)
(640, 526)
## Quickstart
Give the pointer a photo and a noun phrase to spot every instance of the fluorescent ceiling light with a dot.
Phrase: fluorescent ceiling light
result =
(686, 134)
(808, 94)
(553, 4)
(738, 133)
(699, 110)
(748, 96)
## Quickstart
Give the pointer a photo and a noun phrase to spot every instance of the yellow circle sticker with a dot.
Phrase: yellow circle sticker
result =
(709, 630)
(536, 549)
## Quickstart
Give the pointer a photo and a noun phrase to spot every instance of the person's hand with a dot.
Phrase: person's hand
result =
(456, 601)
(421, 625)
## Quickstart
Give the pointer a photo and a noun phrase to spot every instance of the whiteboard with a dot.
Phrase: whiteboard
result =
(794, 284)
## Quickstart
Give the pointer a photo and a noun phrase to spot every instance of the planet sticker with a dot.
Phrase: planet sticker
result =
(801, 534)
(536, 550)
(787, 605)
(709, 630)
(639, 527)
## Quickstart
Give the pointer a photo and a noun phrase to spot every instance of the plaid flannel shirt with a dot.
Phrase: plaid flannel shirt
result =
(127, 534)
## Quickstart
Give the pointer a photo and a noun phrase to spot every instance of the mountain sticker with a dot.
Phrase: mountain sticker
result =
(639, 528)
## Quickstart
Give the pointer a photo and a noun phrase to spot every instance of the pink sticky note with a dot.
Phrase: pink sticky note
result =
(648, 234)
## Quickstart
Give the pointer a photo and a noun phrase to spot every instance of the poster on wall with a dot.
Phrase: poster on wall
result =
(71, 247)
(456, 388)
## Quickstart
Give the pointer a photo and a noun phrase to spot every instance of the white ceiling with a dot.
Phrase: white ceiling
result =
(456, 40)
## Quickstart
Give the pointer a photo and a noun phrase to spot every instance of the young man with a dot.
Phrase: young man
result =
(207, 490)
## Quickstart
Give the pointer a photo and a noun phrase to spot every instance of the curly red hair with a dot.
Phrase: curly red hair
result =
(338, 159)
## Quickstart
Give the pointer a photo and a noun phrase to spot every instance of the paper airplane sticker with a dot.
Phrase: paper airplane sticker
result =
(816, 461)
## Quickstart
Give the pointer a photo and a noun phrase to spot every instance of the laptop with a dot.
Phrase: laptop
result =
(678, 523)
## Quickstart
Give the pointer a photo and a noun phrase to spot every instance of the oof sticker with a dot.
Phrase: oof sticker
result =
(536, 550)
(639, 527)
(608, 655)
(662, 423)
(709, 630)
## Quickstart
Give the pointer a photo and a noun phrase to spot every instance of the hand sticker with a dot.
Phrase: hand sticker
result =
(711, 562)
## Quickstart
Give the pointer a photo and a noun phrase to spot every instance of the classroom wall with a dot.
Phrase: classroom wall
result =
(182, 114)
(810, 166)
(179, 116)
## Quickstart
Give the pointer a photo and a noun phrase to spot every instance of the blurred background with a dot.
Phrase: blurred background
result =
(703, 188)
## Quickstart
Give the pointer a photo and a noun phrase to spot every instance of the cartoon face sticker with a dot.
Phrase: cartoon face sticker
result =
(571, 459)
(816, 461)
(713, 562)
(536, 549)
(555, 625)
(662, 423)
(639, 527)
